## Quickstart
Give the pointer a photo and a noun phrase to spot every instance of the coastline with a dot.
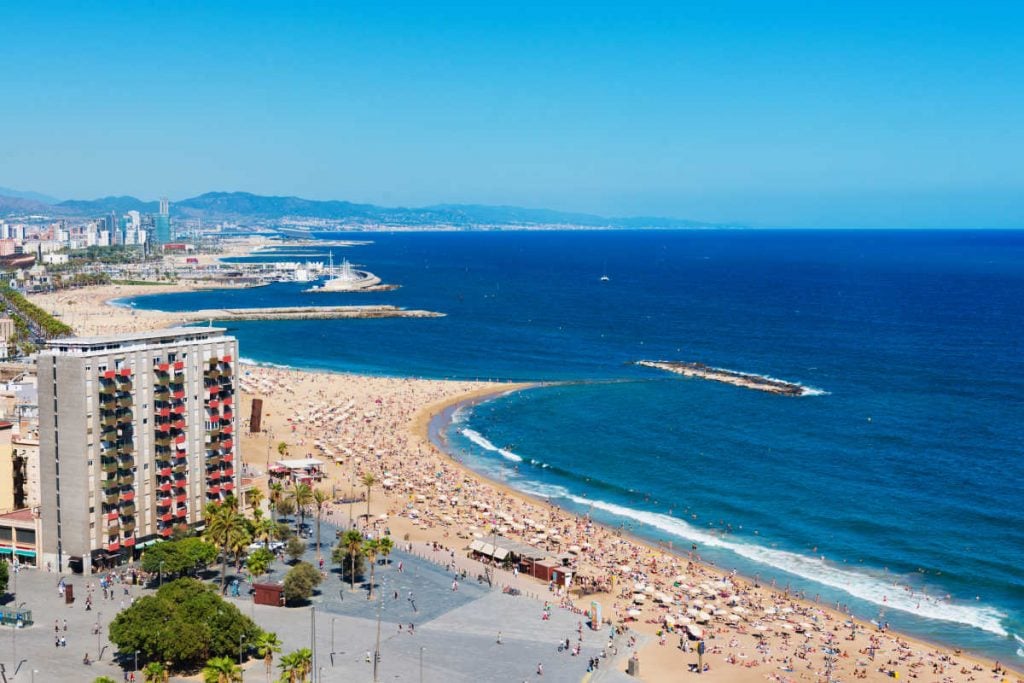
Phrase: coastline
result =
(435, 419)
(660, 662)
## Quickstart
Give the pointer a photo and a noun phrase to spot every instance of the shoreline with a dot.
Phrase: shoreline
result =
(418, 426)
(437, 418)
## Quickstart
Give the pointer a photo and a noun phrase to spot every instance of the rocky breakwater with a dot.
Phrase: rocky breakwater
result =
(305, 313)
(740, 379)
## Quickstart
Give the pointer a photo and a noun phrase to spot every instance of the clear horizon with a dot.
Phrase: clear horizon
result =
(856, 115)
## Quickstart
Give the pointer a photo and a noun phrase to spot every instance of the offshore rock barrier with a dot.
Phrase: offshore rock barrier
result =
(740, 379)
(304, 313)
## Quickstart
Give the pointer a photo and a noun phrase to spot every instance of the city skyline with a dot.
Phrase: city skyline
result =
(850, 116)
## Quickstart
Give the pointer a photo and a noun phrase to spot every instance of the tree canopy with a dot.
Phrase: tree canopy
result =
(176, 557)
(300, 581)
(185, 623)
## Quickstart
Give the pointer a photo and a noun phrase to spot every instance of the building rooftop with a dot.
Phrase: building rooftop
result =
(22, 515)
(169, 335)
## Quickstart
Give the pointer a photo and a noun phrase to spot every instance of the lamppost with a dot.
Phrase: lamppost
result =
(376, 651)
(99, 622)
(136, 669)
(421, 662)
(333, 619)
(161, 573)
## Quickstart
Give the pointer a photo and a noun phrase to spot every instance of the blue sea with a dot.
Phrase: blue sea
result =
(896, 489)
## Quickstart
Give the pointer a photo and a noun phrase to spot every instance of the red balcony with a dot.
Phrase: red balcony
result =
(228, 486)
(166, 486)
(181, 497)
(213, 490)
(178, 424)
(163, 412)
(126, 372)
(112, 515)
(129, 542)
(226, 429)
(182, 512)
(165, 472)
(226, 359)
(163, 367)
(179, 365)
(226, 444)
(227, 400)
(163, 428)
(214, 403)
(227, 457)
(166, 517)
(179, 439)
(113, 547)
(179, 394)
(214, 390)
(109, 374)
(166, 531)
(127, 495)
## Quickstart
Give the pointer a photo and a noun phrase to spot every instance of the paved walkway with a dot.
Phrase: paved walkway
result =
(454, 636)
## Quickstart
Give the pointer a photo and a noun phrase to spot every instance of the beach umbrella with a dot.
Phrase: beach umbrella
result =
(691, 612)
(634, 613)
(639, 598)
(733, 618)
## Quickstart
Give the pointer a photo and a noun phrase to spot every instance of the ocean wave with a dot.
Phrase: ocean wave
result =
(535, 488)
(121, 303)
(481, 441)
(874, 589)
(1020, 641)
(263, 364)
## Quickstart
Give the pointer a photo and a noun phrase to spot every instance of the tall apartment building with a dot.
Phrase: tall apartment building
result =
(136, 436)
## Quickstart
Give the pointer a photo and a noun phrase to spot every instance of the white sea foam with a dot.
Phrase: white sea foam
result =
(874, 589)
(1020, 641)
(481, 441)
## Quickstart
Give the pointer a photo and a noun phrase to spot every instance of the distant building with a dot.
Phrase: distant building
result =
(145, 440)
(6, 336)
(162, 223)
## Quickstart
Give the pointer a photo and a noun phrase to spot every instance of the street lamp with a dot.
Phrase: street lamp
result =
(241, 671)
(161, 573)
(99, 622)
(421, 662)
(136, 669)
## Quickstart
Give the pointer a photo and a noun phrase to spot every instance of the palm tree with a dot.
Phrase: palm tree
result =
(302, 495)
(254, 498)
(295, 666)
(385, 545)
(282, 448)
(263, 530)
(224, 528)
(266, 645)
(154, 672)
(371, 548)
(368, 481)
(320, 499)
(352, 541)
(276, 496)
(221, 670)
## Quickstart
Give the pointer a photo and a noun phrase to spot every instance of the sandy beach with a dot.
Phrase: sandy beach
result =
(380, 425)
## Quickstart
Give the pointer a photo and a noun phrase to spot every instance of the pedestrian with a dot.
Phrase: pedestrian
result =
(65, 625)
(499, 637)
(540, 669)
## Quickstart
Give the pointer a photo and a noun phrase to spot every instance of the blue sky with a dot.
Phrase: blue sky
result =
(767, 113)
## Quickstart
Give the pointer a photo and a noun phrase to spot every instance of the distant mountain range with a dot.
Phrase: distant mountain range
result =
(241, 205)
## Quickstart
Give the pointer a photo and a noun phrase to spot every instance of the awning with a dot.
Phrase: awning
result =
(488, 549)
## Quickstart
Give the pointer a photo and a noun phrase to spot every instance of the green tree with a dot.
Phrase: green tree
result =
(266, 646)
(179, 556)
(371, 548)
(300, 581)
(221, 670)
(154, 672)
(259, 562)
(4, 576)
(226, 529)
(263, 530)
(103, 679)
(184, 624)
(386, 546)
(302, 496)
(285, 507)
(295, 548)
(295, 666)
(276, 495)
(253, 499)
(320, 499)
(282, 448)
(368, 481)
(352, 544)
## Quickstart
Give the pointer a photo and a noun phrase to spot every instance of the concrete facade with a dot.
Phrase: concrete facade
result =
(136, 436)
